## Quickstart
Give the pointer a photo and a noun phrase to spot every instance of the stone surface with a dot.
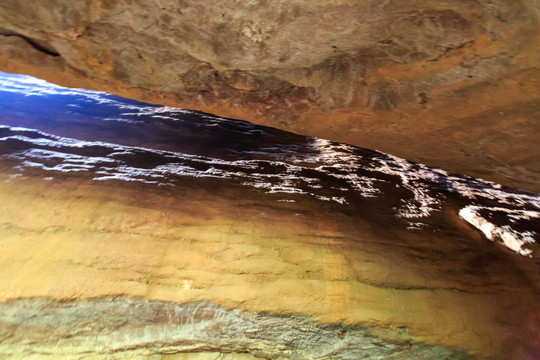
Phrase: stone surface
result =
(450, 83)
(208, 242)
(130, 231)
(129, 327)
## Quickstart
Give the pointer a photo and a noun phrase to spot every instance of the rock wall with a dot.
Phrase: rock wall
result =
(451, 83)
(127, 271)
(131, 231)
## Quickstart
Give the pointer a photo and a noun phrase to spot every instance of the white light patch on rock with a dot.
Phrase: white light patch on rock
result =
(423, 203)
(510, 238)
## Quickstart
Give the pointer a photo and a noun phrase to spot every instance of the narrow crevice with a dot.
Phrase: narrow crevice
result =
(39, 45)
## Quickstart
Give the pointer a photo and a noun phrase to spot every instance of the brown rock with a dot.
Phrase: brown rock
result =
(406, 77)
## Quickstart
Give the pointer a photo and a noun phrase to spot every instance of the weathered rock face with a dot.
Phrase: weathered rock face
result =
(452, 83)
(145, 328)
(132, 231)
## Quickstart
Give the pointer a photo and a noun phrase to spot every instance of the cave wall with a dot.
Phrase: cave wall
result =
(452, 83)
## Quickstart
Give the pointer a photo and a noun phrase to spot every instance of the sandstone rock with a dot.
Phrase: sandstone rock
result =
(131, 231)
(131, 327)
(405, 77)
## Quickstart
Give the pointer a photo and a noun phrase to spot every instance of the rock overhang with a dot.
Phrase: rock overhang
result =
(451, 84)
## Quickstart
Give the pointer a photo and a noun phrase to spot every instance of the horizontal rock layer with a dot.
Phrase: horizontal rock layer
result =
(70, 241)
(129, 230)
(452, 83)
(123, 327)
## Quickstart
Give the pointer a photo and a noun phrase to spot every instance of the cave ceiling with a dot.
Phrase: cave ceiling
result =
(452, 83)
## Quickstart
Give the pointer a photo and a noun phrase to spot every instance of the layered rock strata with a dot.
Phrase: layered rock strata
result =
(453, 83)
(136, 231)
(129, 328)
(114, 271)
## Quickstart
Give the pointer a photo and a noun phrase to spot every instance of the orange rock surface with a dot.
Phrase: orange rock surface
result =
(453, 84)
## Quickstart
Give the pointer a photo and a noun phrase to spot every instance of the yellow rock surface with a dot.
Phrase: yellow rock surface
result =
(71, 240)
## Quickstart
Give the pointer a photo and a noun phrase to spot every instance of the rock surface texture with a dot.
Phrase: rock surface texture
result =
(137, 231)
(452, 83)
